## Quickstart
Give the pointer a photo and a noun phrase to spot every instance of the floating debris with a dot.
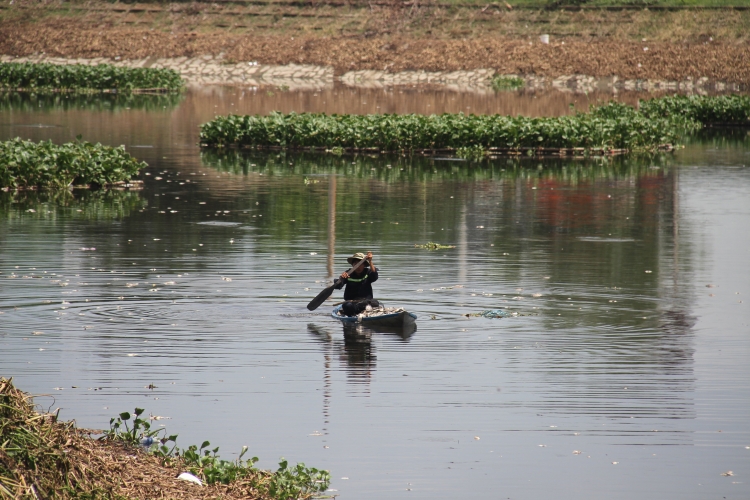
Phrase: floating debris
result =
(493, 313)
(433, 246)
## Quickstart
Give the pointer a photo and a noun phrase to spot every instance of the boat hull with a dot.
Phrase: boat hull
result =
(400, 319)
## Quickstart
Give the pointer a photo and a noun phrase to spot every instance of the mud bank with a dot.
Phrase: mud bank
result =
(561, 57)
(210, 70)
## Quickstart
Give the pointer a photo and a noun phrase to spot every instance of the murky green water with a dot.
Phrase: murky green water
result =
(625, 374)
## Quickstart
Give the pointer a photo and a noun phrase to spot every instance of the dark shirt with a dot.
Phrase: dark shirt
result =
(356, 289)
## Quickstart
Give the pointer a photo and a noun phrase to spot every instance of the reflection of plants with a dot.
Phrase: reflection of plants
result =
(80, 77)
(501, 82)
(284, 484)
(471, 152)
(44, 164)
(102, 205)
(397, 169)
(35, 102)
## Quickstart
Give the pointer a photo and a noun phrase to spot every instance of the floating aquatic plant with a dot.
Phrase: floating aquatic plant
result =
(44, 164)
(724, 109)
(81, 77)
(609, 127)
(434, 246)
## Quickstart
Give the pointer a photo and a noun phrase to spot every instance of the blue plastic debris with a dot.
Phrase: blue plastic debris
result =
(495, 313)
(147, 441)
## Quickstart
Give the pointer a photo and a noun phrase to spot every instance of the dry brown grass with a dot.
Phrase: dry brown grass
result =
(43, 457)
(599, 57)
(681, 44)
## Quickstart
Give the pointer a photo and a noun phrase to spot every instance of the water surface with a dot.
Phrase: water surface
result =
(624, 373)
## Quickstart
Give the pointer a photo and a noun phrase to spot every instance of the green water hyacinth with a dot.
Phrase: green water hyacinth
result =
(612, 126)
(81, 77)
(724, 110)
(27, 164)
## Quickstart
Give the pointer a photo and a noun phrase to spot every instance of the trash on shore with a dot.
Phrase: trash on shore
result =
(186, 476)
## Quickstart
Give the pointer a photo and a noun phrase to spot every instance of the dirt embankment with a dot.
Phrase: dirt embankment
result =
(84, 34)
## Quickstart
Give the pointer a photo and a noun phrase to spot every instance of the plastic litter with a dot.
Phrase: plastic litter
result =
(495, 313)
(186, 476)
(147, 441)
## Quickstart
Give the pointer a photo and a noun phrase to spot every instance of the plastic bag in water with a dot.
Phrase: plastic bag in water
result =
(495, 313)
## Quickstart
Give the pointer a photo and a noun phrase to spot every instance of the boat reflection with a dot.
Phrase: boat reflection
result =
(404, 331)
(357, 350)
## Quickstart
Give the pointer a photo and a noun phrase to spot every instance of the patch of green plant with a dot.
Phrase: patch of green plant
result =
(725, 109)
(624, 129)
(433, 246)
(30, 164)
(81, 77)
(609, 126)
(286, 483)
(502, 82)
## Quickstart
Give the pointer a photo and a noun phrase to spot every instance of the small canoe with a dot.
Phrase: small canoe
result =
(398, 318)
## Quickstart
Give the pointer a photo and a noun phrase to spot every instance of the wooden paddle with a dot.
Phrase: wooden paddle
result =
(322, 296)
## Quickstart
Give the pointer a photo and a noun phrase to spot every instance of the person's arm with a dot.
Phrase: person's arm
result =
(341, 281)
(373, 274)
(369, 261)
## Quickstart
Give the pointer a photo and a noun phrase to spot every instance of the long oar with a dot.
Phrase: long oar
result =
(322, 296)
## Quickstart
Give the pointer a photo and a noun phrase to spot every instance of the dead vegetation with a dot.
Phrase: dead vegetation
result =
(393, 36)
(43, 457)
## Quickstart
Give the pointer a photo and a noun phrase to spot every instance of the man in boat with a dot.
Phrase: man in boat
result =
(358, 291)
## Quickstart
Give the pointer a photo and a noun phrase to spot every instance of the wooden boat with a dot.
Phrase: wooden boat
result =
(396, 319)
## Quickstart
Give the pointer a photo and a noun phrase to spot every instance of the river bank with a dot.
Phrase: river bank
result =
(43, 456)
(217, 70)
(358, 46)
